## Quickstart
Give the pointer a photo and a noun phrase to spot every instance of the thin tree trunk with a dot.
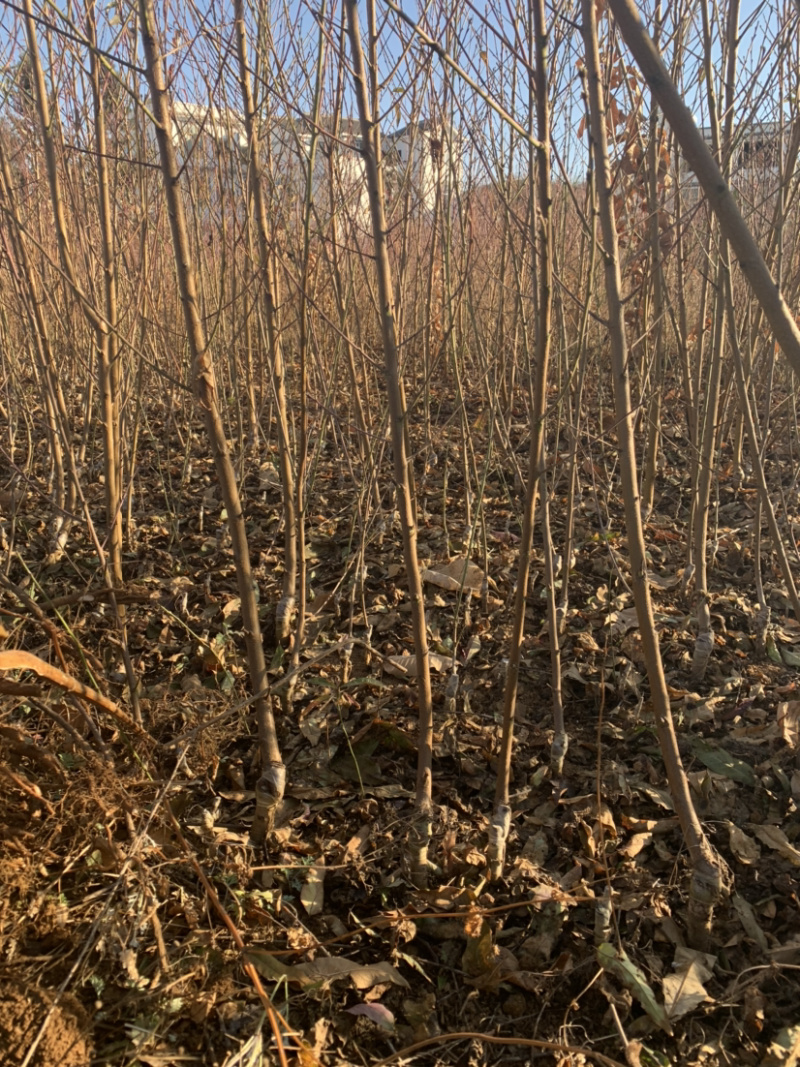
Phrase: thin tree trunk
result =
(707, 871)
(286, 607)
(422, 830)
(541, 223)
(720, 198)
(271, 784)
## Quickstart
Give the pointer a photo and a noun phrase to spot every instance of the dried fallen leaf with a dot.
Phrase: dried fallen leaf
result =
(789, 721)
(267, 965)
(744, 848)
(325, 969)
(658, 796)
(719, 761)
(788, 953)
(377, 1013)
(684, 990)
(365, 977)
(618, 963)
(747, 917)
(773, 837)
(358, 843)
(406, 666)
(531, 981)
(473, 648)
(635, 845)
(451, 575)
(783, 1049)
(312, 894)
(233, 607)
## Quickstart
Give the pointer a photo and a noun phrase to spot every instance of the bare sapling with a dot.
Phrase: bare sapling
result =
(541, 221)
(655, 204)
(708, 419)
(102, 323)
(305, 329)
(63, 486)
(576, 396)
(271, 783)
(422, 827)
(286, 607)
(764, 501)
(707, 875)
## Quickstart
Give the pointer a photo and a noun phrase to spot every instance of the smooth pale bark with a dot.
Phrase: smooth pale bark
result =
(707, 882)
(108, 376)
(286, 608)
(422, 830)
(270, 786)
(654, 196)
(542, 237)
(106, 335)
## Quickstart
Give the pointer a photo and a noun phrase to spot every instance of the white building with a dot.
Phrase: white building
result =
(338, 180)
(755, 162)
(417, 159)
(223, 127)
(424, 155)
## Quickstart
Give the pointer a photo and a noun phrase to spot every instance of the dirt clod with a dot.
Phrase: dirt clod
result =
(66, 1041)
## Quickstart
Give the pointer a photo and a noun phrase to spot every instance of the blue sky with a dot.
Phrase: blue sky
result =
(487, 41)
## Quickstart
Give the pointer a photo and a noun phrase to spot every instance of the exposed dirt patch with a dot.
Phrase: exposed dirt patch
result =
(66, 1041)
